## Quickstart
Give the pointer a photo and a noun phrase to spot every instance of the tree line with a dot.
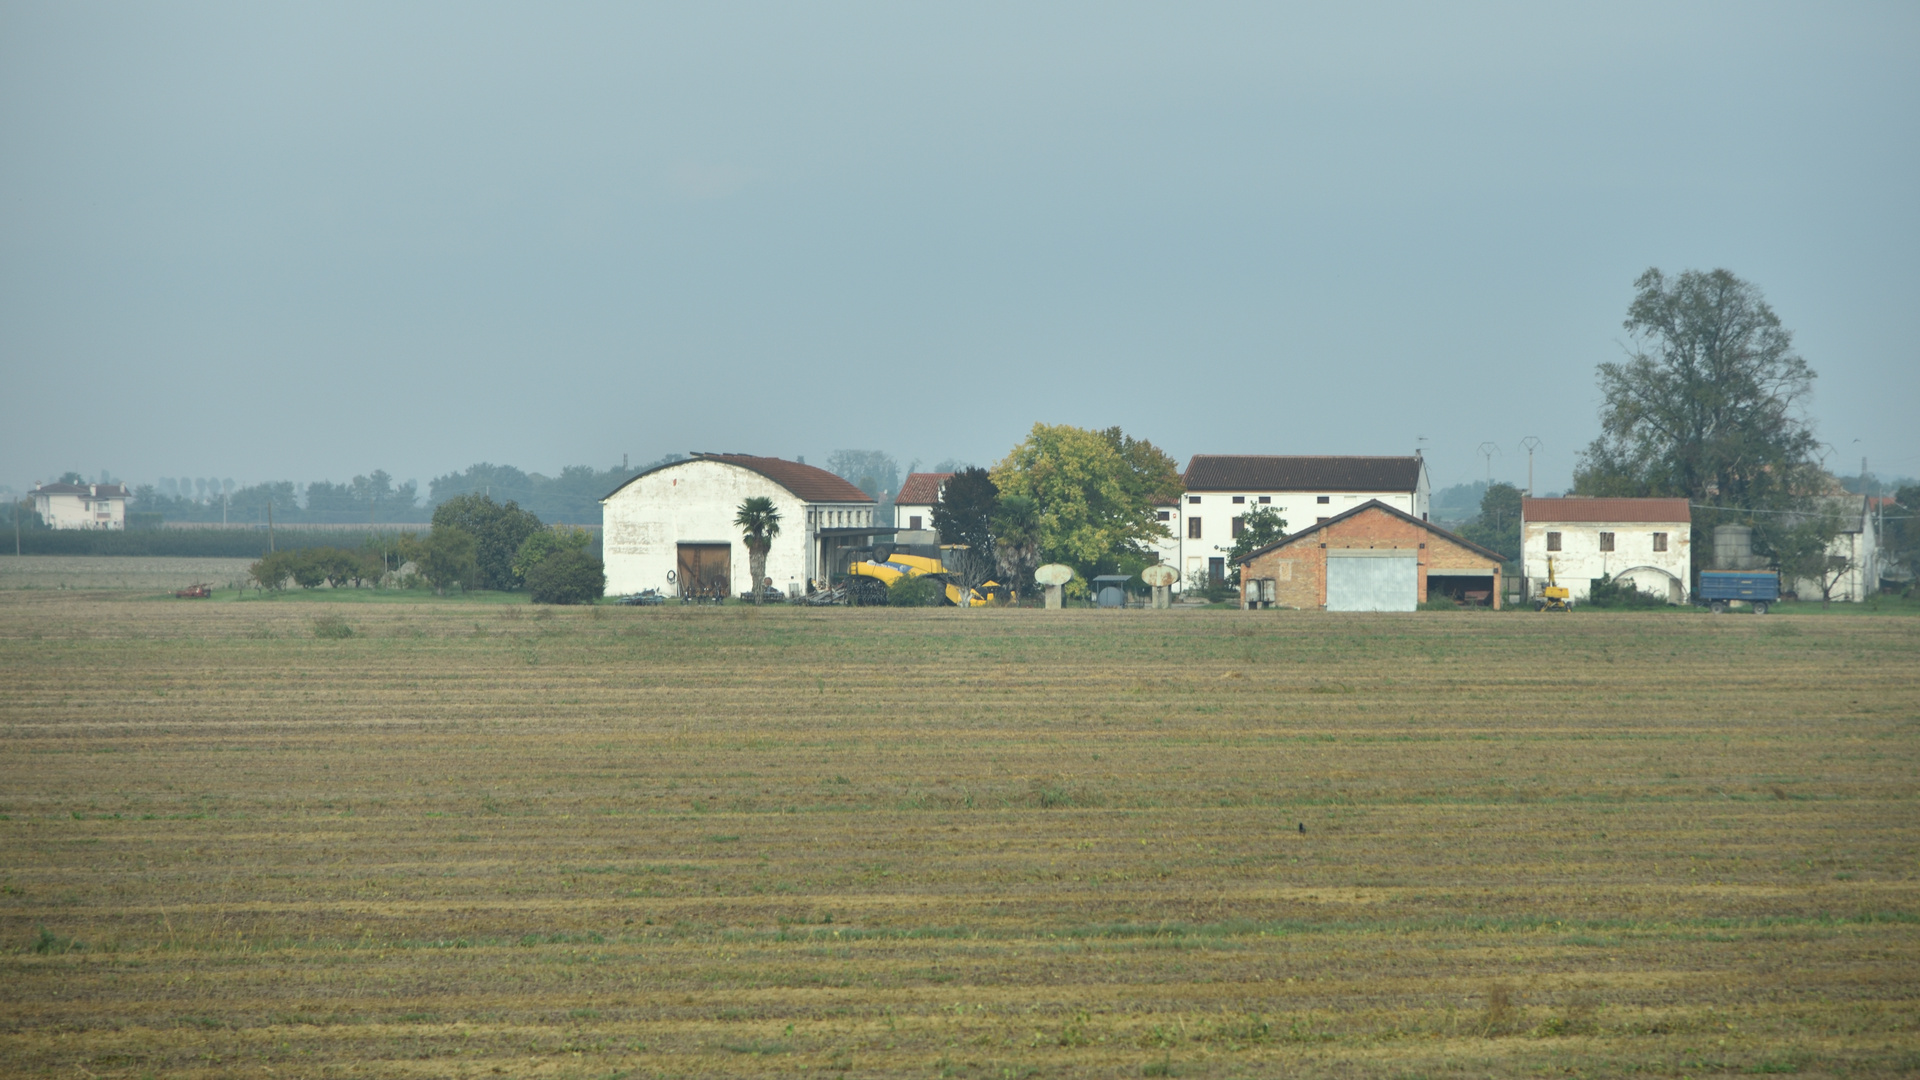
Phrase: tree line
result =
(474, 543)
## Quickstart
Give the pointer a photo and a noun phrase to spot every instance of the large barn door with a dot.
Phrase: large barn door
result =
(1373, 581)
(706, 570)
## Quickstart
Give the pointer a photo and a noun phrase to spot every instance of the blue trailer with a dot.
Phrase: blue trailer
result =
(1718, 588)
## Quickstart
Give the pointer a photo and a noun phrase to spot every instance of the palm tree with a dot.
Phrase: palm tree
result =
(759, 523)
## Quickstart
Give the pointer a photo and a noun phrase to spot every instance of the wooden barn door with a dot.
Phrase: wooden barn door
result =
(706, 570)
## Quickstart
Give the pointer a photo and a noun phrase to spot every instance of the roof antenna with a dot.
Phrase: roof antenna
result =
(1420, 446)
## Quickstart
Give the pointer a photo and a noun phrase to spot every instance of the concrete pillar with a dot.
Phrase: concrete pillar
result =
(1162, 597)
(1054, 593)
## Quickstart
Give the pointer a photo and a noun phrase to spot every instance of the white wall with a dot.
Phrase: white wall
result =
(904, 513)
(1580, 559)
(693, 502)
(81, 512)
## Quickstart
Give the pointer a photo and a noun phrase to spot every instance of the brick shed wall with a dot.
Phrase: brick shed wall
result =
(1299, 569)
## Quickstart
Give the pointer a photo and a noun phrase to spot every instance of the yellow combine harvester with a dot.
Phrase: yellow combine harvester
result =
(871, 580)
(1553, 595)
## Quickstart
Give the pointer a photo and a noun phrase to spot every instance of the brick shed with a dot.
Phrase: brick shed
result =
(1374, 557)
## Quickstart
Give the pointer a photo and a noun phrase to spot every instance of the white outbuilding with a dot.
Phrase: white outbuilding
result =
(1644, 541)
(671, 528)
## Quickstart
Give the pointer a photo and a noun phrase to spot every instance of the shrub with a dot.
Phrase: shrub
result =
(1606, 592)
(331, 626)
(567, 577)
(916, 592)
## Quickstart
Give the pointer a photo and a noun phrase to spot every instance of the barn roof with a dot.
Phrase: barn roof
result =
(1374, 504)
(806, 481)
(1605, 510)
(1324, 472)
(921, 488)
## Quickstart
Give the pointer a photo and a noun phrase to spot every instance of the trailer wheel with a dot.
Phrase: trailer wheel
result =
(1759, 607)
(1718, 607)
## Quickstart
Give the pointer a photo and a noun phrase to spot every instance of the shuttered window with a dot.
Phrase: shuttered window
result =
(1606, 541)
(1659, 541)
(1553, 541)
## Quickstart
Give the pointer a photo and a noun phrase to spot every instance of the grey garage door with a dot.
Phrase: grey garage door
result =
(1372, 581)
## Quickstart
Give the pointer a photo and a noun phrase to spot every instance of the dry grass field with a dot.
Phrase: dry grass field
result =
(475, 841)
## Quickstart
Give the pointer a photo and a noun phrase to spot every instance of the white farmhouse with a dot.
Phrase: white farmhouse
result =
(1644, 541)
(1221, 489)
(671, 528)
(81, 506)
(913, 507)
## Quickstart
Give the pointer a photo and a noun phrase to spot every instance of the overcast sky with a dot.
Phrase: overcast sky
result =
(271, 241)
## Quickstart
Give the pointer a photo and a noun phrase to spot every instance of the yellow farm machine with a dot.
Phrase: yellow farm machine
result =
(1553, 595)
(870, 580)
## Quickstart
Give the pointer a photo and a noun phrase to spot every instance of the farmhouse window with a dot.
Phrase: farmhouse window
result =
(1239, 499)
(1659, 541)
(1553, 541)
(1324, 499)
(1264, 499)
(1194, 499)
(1166, 515)
(1193, 528)
(1216, 570)
(1606, 541)
(1239, 526)
(913, 522)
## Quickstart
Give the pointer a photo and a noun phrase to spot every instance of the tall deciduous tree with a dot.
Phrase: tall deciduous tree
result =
(1707, 404)
(759, 522)
(1016, 541)
(964, 514)
(1498, 526)
(1094, 492)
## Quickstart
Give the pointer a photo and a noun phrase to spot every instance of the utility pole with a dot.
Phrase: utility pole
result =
(1532, 443)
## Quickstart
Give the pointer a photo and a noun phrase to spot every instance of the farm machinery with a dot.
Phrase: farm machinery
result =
(1553, 595)
(868, 581)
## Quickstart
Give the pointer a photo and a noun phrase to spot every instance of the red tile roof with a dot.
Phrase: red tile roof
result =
(805, 481)
(922, 488)
(1257, 472)
(1375, 505)
(1605, 510)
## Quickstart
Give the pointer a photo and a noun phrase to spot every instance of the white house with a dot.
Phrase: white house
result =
(913, 507)
(81, 506)
(671, 528)
(1858, 543)
(1645, 541)
(1221, 489)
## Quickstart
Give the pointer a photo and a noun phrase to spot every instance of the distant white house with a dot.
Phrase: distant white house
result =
(671, 528)
(1221, 489)
(81, 506)
(1645, 541)
(913, 507)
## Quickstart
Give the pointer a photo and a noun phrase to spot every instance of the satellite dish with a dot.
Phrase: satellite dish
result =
(1054, 574)
(1160, 575)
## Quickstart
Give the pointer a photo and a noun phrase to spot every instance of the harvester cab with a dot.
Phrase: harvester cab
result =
(1553, 595)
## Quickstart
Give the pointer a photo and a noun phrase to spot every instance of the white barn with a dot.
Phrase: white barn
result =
(1221, 489)
(671, 528)
(81, 506)
(1645, 541)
